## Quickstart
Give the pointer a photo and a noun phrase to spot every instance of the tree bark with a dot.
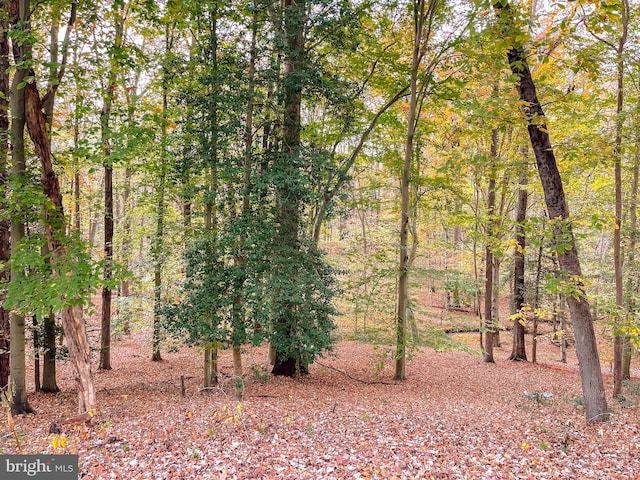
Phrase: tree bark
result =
(519, 351)
(72, 317)
(618, 341)
(288, 163)
(489, 257)
(5, 226)
(632, 282)
(105, 119)
(18, 12)
(49, 381)
(423, 11)
(595, 402)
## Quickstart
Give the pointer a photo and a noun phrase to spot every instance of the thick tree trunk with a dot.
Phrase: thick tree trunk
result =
(288, 200)
(72, 317)
(519, 351)
(5, 226)
(49, 381)
(18, 11)
(595, 402)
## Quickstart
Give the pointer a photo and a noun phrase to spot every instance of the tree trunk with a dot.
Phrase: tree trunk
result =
(36, 354)
(240, 258)
(631, 282)
(421, 11)
(18, 12)
(72, 317)
(618, 341)
(595, 402)
(495, 302)
(105, 119)
(288, 163)
(105, 324)
(49, 382)
(519, 351)
(5, 226)
(126, 238)
(489, 325)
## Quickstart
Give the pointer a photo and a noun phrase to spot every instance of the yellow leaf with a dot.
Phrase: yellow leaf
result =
(63, 441)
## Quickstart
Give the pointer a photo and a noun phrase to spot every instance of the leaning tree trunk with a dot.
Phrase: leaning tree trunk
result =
(595, 402)
(73, 321)
(519, 351)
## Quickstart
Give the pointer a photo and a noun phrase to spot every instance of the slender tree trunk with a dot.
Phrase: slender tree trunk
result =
(632, 282)
(126, 234)
(105, 120)
(562, 304)
(495, 301)
(420, 13)
(211, 213)
(77, 219)
(105, 325)
(241, 259)
(595, 402)
(489, 257)
(36, 354)
(157, 269)
(519, 351)
(618, 342)
(536, 304)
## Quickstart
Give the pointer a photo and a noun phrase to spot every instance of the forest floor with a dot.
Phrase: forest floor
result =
(454, 417)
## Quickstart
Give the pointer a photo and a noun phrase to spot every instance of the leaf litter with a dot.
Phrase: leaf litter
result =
(454, 417)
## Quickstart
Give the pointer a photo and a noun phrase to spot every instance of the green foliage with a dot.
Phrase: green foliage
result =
(129, 313)
(205, 311)
(44, 283)
(462, 290)
(302, 287)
